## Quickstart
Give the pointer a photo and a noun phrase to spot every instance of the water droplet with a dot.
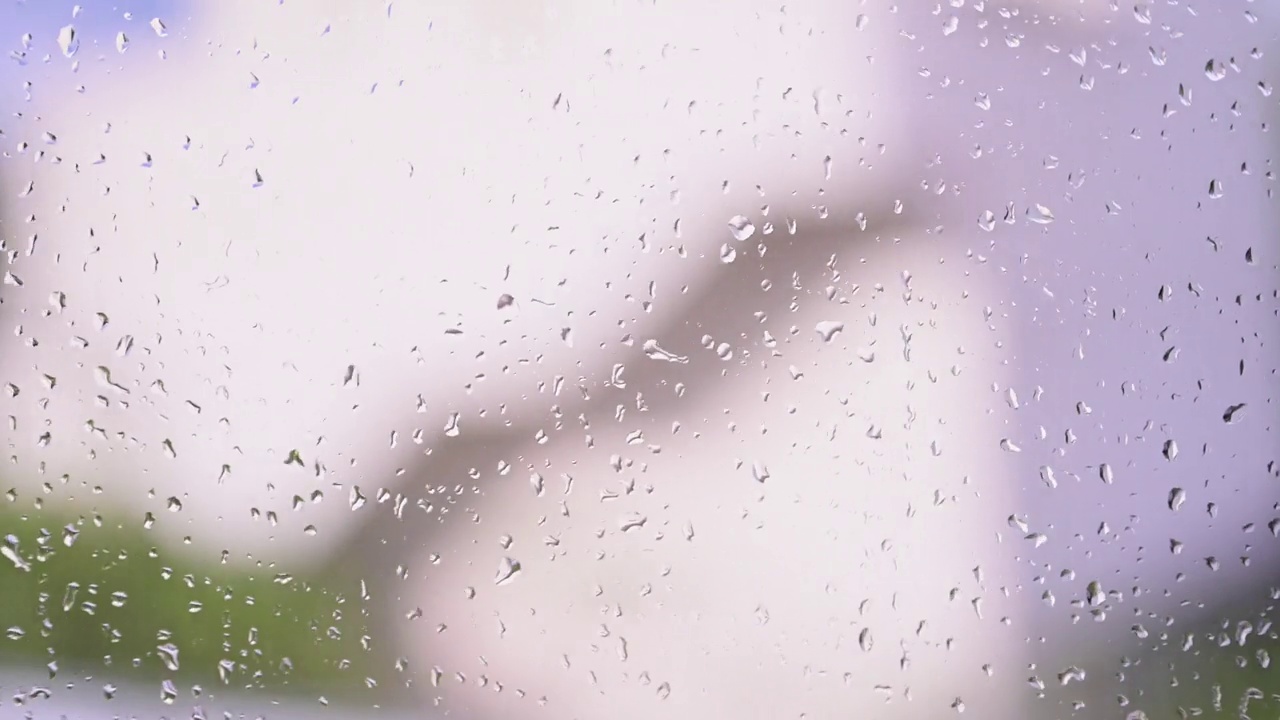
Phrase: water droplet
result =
(1094, 594)
(507, 571)
(1177, 497)
(158, 25)
(11, 554)
(828, 329)
(1233, 413)
(1071, 674)
(759, 471)
(741, 228)
(168, 655)
(655, 351)
(1011, 397)
(357, 499)
(68, 41)
(1039, 214)
(452, 426)
(631, 521)
(69, 596)
(1106, 473)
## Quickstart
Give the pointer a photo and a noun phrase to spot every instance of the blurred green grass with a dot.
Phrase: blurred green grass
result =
(110, 600)
(1221, 674)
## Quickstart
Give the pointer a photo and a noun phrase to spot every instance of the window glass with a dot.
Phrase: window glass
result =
(638, 358)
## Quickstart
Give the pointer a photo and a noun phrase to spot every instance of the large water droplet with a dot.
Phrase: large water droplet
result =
(741, 228)
(68, 41)
(507, 571)
(828, 329)
(168, 655)
(1039, 214)
(655, 351)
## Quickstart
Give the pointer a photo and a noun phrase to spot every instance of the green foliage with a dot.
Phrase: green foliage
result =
(110, 599)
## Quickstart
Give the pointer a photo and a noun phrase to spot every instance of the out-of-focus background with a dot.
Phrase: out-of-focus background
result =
(612, 359)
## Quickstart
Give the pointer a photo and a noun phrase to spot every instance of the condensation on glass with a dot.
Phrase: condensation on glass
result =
(639, 358)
